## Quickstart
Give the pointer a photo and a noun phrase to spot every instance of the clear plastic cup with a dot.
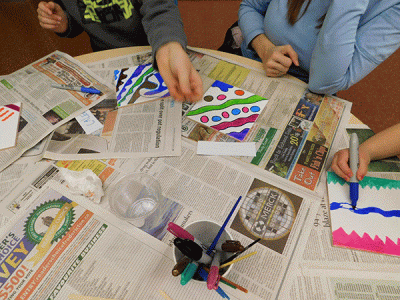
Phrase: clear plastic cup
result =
(134, 196)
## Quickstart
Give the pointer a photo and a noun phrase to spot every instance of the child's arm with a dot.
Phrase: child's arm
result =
(384, 144)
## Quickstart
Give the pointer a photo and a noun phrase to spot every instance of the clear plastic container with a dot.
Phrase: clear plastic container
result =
(134, 196)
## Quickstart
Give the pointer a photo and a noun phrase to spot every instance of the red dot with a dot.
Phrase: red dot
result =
(221, 97)
(245, 109)
(225, 114)
(239, 92)
(204, 119)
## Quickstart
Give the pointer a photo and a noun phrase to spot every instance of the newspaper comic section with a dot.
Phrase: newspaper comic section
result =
(55, 243)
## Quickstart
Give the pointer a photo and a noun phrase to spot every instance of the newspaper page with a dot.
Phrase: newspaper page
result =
(105, 68)
(61, 247)
(45, 108)
(293, 133)
(318, 267)
(337, 284)
(193, 187)
(148, 129)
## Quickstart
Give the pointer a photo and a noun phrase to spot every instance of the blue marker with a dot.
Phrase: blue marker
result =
(354, 167)
(76, 88)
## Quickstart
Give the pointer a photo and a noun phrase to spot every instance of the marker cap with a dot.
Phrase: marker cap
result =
(188, 273)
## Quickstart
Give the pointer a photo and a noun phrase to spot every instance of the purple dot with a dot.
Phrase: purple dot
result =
(225, 114)
(221, 97)
(204, 119)
(245, 109)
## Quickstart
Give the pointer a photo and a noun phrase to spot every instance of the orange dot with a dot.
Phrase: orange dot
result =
(239, 92)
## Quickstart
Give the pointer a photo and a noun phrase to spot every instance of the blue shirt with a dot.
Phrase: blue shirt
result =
(356, 36)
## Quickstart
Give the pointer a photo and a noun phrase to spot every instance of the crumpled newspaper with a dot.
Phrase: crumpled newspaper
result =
(85, 183)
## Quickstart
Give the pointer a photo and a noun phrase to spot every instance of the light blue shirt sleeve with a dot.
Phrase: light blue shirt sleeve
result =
(251, 18)
(346, 52)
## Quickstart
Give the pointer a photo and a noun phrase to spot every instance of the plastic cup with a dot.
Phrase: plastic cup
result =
(206, 231)
(134, 196)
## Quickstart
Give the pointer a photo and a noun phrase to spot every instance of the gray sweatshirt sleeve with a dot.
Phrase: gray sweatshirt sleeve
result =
(162, 23)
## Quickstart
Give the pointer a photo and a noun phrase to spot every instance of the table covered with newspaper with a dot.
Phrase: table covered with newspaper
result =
(56, 244)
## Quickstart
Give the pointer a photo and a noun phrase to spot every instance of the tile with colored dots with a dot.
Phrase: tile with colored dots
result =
(228, 109)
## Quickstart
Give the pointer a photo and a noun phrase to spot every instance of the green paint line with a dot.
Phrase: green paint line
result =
(371, 182)
(137, 82)
(249, 100)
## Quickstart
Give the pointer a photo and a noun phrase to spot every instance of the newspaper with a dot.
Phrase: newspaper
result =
(193, 187)
(294, 261)
(148, 129)
(192, 193)
(57, 248)
(43, 107)
(105, 68)
(292, 134)
(326, 272)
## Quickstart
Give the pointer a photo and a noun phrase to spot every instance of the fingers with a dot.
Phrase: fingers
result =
(196, 86)
(173, 88)
(184, 87)
(181, 78)
(288, 50)
(362, 169)
(51, 16)
(340, 164)
(275, 69)
(48, 23)
(364, 160)
(46, 7)
(279, 60)
(183, 84)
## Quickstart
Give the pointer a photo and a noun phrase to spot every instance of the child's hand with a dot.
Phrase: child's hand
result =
(276, 60)
(51, 16)
(340, 164)
(183, 81)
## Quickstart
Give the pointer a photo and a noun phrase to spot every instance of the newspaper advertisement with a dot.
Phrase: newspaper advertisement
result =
(293, 132)
(148, 129)
(45, 108)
